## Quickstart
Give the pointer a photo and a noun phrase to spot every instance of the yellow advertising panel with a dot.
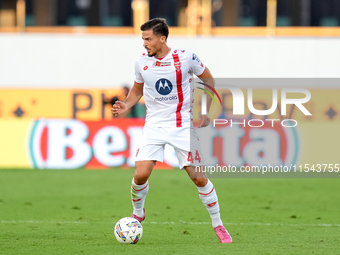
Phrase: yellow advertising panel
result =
(71, 143)
(95, 104)
(60, 129)
(13, 134)
(50, 103)
(324, 105)
(320, 143)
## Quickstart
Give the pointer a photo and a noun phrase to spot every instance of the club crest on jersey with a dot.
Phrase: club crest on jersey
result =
(163, 86)
(158, 63)
(178, 66)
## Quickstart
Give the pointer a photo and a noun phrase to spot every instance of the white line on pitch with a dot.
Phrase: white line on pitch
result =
(175, 223)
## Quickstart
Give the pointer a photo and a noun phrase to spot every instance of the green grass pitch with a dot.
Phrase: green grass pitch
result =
(74, 212)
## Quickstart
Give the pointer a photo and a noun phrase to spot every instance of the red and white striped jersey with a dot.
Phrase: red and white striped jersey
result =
(167, 91)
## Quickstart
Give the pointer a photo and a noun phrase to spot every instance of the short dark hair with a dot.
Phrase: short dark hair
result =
(158, 26)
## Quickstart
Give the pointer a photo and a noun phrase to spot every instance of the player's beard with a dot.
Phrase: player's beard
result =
(152, 54)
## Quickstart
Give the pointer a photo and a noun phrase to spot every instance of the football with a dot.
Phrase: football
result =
(128, 230)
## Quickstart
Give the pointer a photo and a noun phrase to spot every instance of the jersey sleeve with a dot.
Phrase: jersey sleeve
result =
(138, 76)
(195, 64)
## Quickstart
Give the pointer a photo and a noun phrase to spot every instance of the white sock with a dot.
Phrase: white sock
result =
(138, 194)
(209, 198)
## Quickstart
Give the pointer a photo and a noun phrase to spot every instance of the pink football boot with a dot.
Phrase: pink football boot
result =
(223, 234)
(139, 218)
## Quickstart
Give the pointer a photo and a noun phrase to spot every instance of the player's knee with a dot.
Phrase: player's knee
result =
(200, 182)
(140, 179)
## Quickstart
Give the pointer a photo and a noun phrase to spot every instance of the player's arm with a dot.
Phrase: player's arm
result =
(208, 79)
(133, 97)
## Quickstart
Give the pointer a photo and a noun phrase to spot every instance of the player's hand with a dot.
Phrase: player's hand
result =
(205, 120)
(118, 108)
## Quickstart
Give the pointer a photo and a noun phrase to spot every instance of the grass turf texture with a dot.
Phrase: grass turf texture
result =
(74, 212)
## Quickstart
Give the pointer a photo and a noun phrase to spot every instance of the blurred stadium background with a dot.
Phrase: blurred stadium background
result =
(63, 63)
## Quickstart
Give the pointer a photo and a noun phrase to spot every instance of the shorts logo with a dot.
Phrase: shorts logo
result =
(163, 87)
(145, 68)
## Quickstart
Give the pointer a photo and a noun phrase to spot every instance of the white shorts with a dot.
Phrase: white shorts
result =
(184, 140)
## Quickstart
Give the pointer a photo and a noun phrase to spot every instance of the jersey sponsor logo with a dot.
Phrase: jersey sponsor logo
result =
(163, 99)
(158, 63)
(163, 86)
(194, 57)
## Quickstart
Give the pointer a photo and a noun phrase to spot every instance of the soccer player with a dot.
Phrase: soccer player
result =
(164, 76)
